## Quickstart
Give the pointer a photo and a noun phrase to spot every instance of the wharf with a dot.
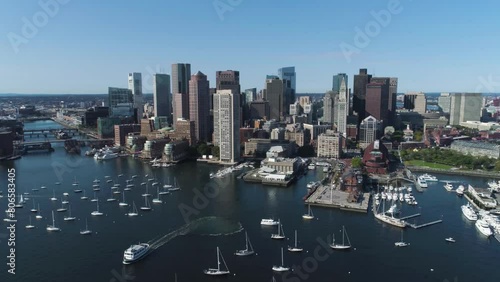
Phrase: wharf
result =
(253, 177)
(414, 226)
(324, 196)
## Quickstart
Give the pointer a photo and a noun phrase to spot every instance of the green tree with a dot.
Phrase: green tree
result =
(356, 162)
(203, 149)
(497, 165)
(418, 135)
(216, 151)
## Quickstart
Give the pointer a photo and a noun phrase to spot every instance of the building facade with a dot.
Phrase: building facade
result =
(329, 106)
(415, 101)
(465, 107)
(181, 73)
(377, 101)
(288, 73)
(227, 125)
(477, 149)
(123, 130)
(135, 85)
(119, 98)
(359, 92)
(199, 105)
(161, 95)
(329, 145)
(369, 131)
(342, 109)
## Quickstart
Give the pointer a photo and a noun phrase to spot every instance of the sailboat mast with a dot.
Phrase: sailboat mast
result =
(282, 263)
(246, 240)
(295, 238)
(343, 235)
(218, 261)
(53, 220)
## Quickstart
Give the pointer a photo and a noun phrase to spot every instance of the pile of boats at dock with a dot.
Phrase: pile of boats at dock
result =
(225, 171)
(106, 153)
(494, 186)
(391, 193)
(486, 222)
(158, 163)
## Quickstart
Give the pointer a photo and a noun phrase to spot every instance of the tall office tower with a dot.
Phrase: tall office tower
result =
(337, 81)
(465, 107)
(358, 102)
(329, 106)
(415, 101)
(181, 73)
(393, 89)
(250, 95)
(444, 102)
(120, 102)
(377, 99)
(342, 109)
(227, 125)
(161, 96)
(279, 98)
(369, 131)
(199, 105)
(228, 80)
(135, 84)
(288, 73)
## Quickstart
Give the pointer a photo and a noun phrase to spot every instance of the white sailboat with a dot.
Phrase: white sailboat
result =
(95, 198)
(147, 206)
(30, 226)
(20, 202)
(281, 233)
(69, 217)
(53, 226)
(38, 216)
(97, 212)
(62, 208)
(123, 203)
(86, 231)
(147, 193)
(401, 243)
(342, 246)
(84, 197)
(281, 268)
(248, 248)
(134, 210)
(217, 271)
(295, 248)
(157, 200)
(309, 214)
(33, 209)
(175, 186)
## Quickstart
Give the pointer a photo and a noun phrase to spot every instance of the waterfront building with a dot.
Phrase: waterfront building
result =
(199, 105)
(280, 165)
(257, 147)
(7, 138)
(375, 158)
(329, 145)
(176, 151)
(227, 125)
(184, 129)
(359, 92)
(369, 131)
(135, 85)
(416, 102)
(153, 149)
(181, 73)
(329, 106)
(161, 95)
(465, 107)
(123, 130)
(477, 148)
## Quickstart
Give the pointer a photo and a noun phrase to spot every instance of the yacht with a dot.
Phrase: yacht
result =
(469, 212)
(460, 190)
(69, 217)
(448, 186)
(295, 248)
(53, 226)
(268, 221)
(217, 271)
(86, 231)
(281, 268)
(450, 239)
(390, 220)
(248, 248)
(135, 253)
(30, 226)
(422, 182)
(342, 246)
(309, 214)
(428, 177)
(147, 206)
(97, 212)
(134, 211)
(483, 227)
(280, 235)
(105, 156)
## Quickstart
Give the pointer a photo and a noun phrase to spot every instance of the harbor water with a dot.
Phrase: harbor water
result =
(208, 213)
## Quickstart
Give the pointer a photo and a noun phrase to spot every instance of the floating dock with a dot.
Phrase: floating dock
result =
(414, 226)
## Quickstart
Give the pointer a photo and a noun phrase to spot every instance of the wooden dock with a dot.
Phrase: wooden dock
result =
(414, 226)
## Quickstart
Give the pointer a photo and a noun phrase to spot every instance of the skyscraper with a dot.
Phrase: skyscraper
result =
(120, 102)
(342, 108)
(161, 96)
(360, 82)
(135, 84)
(199, 105)
(329, 106)
(288, 73)
(279, 97)
(416, 102)
(227, 125)
(228, 80)
(250, 95)
(465, 107)
(337, 81)
(369, 131)
(181, 73)
(377, 99)
(391, 102)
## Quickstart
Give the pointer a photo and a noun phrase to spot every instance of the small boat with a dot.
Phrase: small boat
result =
(62, 208)
(217, 271)
(117, 192)
(450, 239)
(281, 268)
(111, 199)
(20, 202)
(78, 190)
(175, 186)
(43, 187)
(248, 248)
(269, 222)
(97, 212)
(109, 181)
(342, 246)
(147, 206)
(134, 210)
(401, 243)
(295, 249)
(65, 194)
(460, 190)
(135, 253)
(157, 200)
(33, 209)
(309, 214)
(69, 217)
(30, 226)
(84, 197)
(53, 226)
(86, 231)
(75, 183)
(280, 235)
(134, 176)
(448, 186)
(123, 203)
(120, 175)
(58, 183)
(38, 216)
(96, 181)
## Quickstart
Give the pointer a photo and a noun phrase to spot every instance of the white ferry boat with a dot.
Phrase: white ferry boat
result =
(135, 253)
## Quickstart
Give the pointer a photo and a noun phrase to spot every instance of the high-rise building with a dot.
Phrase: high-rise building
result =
(228, 80)
(465, 107)
(342, 108)
(329, 106)
(135, 84)
(120, 101)
(359, 89)
(337, 81)
(227, 125)
(330, 145)
(415, 101)
(181, 73)
(250, 95)
(279, 97)
(288, 73)
(444, 102)
(161, 95)
(369, 131)
(259, 109)
(377, 99)
(199, 105)
(393, 89)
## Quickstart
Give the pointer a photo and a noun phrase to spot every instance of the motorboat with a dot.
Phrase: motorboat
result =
(448, 186)
(460, 190)
(428, 177)
(135, 253)
(469, 212)
(450, 239)
(422, 182)
(268, 221)
(483, 227)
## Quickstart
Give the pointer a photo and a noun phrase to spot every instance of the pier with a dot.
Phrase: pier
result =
(414, 226)
(410, 216)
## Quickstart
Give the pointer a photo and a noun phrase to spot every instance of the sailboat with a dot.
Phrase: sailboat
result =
(281, 268)
(97, 212)
(69, 217)
(134, 210)
(86, 231)
(342, 246)
(248, 248)
(62, 209)
(77, 190)
(38, 216)
(175, 186)
(401, 243)
(309, 214)
(84, 197)
(53, 196)
(20, 202)
(295, 248)
(33, 209)
(53, 226)
(146, 194)
(147, 207)
(96, 187)
(95, 198)
(157, 200)
(281, 233)
(123, 203)
(75, 183)
(30, 226)
(217, 271)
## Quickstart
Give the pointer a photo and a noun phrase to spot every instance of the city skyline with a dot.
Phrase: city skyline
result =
(51, 62)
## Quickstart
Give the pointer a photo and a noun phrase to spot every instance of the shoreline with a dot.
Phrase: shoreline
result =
(484, 174)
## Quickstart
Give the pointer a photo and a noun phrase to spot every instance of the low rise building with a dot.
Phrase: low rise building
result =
(153, 149)
(123, 130)
(176, 151)
(375, 158)
(256, 147)
(330, 145)
(282, 165)
(477, 148)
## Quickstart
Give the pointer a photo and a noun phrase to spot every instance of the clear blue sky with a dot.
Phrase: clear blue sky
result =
(89, 45)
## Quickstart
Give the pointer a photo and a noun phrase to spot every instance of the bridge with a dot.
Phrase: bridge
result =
(50, 131)
(87, 141)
